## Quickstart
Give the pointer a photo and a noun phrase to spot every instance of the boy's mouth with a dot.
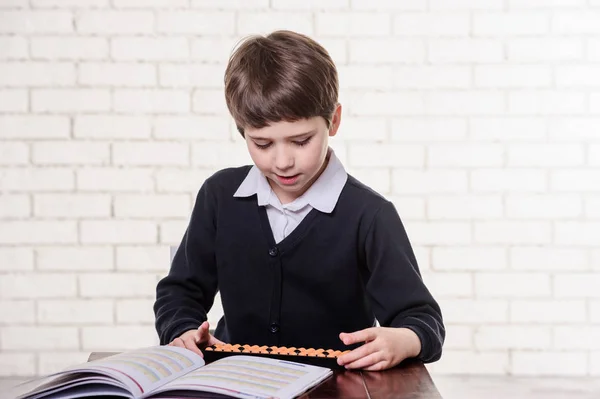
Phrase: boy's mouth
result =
(288, 180)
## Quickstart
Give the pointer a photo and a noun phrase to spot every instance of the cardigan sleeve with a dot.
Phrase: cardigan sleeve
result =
(186, 294)
(398, 295)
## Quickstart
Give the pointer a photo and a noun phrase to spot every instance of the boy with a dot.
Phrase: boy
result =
(303, 254)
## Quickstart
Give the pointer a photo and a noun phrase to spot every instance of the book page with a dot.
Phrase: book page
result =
(251, 376)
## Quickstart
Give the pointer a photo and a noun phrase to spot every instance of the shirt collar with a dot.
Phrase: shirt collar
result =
(322, 195)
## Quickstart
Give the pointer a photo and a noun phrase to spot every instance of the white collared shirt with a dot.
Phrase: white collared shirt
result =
(322, 195)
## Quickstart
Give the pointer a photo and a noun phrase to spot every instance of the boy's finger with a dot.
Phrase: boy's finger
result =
(191, 345)
(358, 353)
(365, 335)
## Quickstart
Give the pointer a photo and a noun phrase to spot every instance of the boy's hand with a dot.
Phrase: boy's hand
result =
(196, 339)
(383, 347)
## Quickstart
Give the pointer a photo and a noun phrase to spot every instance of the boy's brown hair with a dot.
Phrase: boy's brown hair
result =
(283, 76)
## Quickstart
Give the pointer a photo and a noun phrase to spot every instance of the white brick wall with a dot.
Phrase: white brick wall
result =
(479, 119)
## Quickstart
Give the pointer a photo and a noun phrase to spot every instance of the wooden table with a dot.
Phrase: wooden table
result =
(409, 380)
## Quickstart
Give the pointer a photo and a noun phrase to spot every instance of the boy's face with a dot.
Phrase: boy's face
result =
(291, 154)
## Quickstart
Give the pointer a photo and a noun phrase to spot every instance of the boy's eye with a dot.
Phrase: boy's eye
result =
(263, 146)
(303, 142)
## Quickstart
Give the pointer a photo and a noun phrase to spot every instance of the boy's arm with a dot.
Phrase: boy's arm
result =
(186, 294)
(398, 295)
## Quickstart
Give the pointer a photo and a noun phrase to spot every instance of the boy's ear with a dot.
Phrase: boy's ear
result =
(335, 120)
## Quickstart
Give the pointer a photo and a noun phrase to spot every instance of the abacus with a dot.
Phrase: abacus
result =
(317, 357)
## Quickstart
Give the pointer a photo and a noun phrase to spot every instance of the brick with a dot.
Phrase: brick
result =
(573, 128)
(548, 258)
(117, 338)
(150, 153)
(47, 179)
(38, 285)
(209, 101)
(191, 127)
(149, 49)
(34, 127)
(377, 178)
(596, 259)
(514, 129)
(593, 49)
(576, 22)
(112, 127)
(579, 76)
(17, 312)
(381, 155)
(17, 364)
(252, 22)
(593, 157)
(150, 3)
(513, 232)
(475, 311)
(69, 48)
(464, 207)
(546, 155)
(423, 257)
(409, 208)
(212, 49)
(34, 22)
(469, 258)
(594, 310)
(14, 4)
(443, 51)
(577, 233)
(578, 180)
(16, 259)
(380, 5)
(70, 153)
(465, 155)
(113, 179)
(376, 51)
(214, 154)
(115, 22)
(179, 180)
(472, 362)
(336, 47)
(14, 206)
(14, 153)
(458, 337)
(194, 22)
(592, 207)
(117, 285)
(151, 101)
(56, 311)
(428, 129)
(364, 76)
(428, 182)
(513, 76)
(546, 102)
(595, 103)
(38, 232)
(594, 363)
(69, 3)
(439, 233)
(549, 363)
(545, 3)
(511, 24)
(449, 285)
(583, 338)
(28, 338)
(580, 285)
(521, 180)
(80, 258)
(353, 24)
(156, 206)
(195, 75)
(117, 74)
(512, 337)
(552, 207)
(143, 258)
(14, 100)
(135, 311)
(512, 285)
(32, 74)
(466, 5)
(432, 77)
(464, 103)
(70, 100)
(431, 24)
(385, 104)
(545, 49)
(363, 129)
(309, 4)
(71, 205)
(52, 362)
(547, 311)
(171, 232)
(13, 47)
(230, 4)
(117, 232)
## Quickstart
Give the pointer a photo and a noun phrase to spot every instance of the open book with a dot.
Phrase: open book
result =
(171, 372)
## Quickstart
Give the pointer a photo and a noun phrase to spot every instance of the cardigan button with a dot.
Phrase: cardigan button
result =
(273, 251)
(274, 327)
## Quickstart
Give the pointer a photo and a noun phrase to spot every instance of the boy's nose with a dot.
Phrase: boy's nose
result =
(284, 160)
